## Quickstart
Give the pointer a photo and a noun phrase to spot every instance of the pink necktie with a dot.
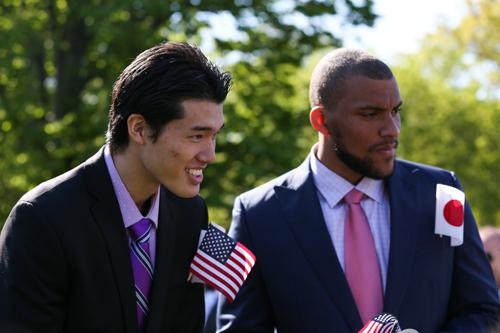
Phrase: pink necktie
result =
(361, 263)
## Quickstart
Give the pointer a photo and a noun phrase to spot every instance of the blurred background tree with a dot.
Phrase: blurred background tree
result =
(59, 58)
(451, 93)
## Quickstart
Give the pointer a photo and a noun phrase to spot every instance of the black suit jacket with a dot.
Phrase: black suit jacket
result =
(65, 263)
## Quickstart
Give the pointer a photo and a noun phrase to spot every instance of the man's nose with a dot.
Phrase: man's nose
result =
(391, 127)
(207, 155)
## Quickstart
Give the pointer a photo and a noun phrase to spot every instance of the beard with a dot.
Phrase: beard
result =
(363, 166)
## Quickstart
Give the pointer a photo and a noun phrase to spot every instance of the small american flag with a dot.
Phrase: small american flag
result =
(221, 262)
(383, 323)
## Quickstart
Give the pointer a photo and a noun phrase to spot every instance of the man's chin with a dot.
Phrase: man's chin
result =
(185, 193)
(385, 172)
(381, 170)
(373, 167)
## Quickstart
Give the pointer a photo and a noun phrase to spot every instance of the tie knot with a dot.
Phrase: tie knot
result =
(354, 196)
(139, 231)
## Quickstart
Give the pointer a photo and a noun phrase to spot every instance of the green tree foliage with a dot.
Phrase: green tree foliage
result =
(452, 105)
(58, 60)
(479, 33)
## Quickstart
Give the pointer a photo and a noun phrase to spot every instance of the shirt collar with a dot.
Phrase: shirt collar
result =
(333, 187)
(128, 208)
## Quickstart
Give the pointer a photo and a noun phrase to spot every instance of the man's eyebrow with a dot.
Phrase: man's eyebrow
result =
(400, 104)
(378, 108)
(371, 107)
(205, 128)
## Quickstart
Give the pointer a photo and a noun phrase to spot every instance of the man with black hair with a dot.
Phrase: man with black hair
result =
(106, 246)
(350, 233)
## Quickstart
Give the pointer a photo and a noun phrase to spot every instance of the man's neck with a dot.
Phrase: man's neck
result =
(131, 171)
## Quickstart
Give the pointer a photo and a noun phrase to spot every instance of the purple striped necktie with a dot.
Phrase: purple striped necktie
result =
(361, 262)
(142, 267)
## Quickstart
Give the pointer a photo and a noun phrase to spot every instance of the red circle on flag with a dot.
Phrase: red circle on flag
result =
(454, 213)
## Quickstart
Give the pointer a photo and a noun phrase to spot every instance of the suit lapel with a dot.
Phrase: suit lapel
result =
(164, 261)
(107, 215)
(403, 197)
(304, 217)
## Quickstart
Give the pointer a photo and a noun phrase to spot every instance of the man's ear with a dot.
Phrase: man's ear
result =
(137, 128)
(317, 119)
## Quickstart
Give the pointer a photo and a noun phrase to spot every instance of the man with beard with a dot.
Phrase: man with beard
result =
(350, 233)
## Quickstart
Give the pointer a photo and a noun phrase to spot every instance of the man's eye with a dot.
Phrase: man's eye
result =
(197, 137)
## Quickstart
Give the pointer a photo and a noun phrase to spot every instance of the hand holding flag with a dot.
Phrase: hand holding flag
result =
(221, 262)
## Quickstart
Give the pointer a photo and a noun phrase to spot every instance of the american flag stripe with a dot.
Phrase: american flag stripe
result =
(245, 258)
(208, 266)
(370, 327)
(216, 276)
(245, 262)
(234, 275)
(376, 328)
(383, 323)
(230, 272)
(246, 253)
(373, 327)
(236, 268)
(215, 284)
(235, 264)
(385, 317)
(387, 329)
(213, 281)
(230, 264)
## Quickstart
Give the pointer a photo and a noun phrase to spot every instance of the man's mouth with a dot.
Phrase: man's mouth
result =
(195, 172)
(385, 146)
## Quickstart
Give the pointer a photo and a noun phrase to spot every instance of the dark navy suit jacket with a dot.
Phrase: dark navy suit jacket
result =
(298, 285)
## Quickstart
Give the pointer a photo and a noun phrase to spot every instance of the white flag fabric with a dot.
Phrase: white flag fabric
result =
(450, 203)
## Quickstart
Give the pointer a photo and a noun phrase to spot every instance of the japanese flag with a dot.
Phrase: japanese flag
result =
(450, 203)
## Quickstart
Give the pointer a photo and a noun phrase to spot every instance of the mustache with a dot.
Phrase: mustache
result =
(392, 143)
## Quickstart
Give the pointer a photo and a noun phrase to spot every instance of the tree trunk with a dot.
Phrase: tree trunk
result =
(70, 59)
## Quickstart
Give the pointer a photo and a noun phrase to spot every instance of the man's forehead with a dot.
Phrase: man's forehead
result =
(368, 91)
